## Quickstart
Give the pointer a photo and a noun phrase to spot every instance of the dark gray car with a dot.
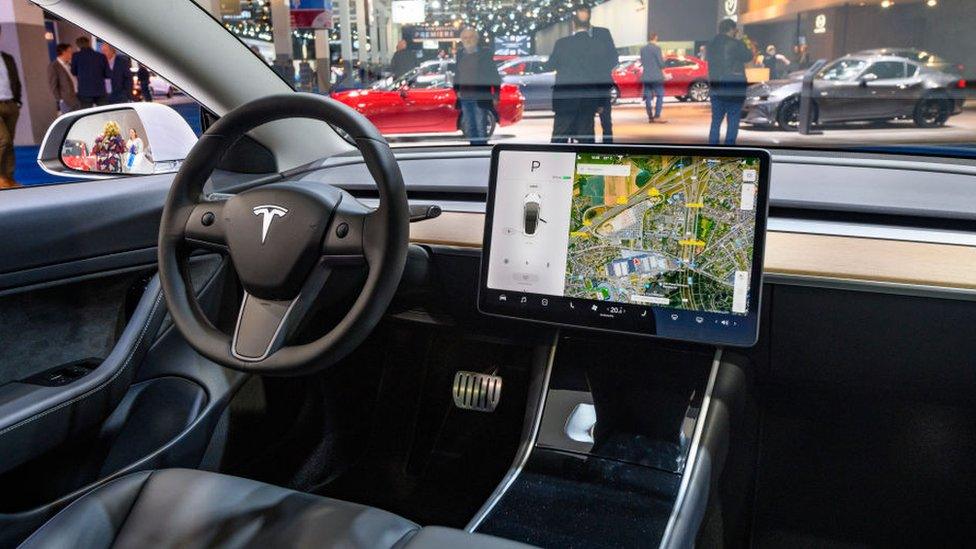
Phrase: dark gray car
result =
(860, 88)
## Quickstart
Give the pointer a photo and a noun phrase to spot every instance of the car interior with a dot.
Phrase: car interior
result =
(300, 336)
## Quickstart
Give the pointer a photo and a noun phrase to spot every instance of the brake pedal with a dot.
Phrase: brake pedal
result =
(476, 391)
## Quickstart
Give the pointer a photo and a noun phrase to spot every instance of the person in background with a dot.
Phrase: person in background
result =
(91, 69)
(118, 83)
(404, 60)
(605, 73)
(144, 88)
(802, 54)
(10, 90)
(109, 148)
(63, 85)
(775, 62)
(702, 53)
(652, 61)
(727, 58)
(477, 85)
(133, 152)
(579, 89)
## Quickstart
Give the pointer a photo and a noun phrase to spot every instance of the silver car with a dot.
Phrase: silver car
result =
(860, 88)
(532, 76)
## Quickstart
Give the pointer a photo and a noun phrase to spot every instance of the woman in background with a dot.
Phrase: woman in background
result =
(133, 152)
(109, 148)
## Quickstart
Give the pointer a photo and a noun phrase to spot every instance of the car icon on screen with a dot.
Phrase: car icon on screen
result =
(531, 213)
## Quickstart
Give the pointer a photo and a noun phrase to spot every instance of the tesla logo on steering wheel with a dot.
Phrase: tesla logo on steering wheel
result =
(268, 212)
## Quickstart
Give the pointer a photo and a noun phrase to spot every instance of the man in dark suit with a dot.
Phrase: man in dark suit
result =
(10, 96)
(579, 61)
(61, 82)
(119, 75)
(404, 60)
(603, 36)
(91, 70)
(652, 77)
(477, 85)
(727, 56)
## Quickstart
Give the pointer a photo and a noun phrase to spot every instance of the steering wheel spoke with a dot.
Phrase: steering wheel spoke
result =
(205, 227)
(264, 325)
(345, 243)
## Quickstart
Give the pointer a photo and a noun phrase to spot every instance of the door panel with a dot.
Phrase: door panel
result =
(838, 100)
(45, 397)
(62, 324)
(77, 282)
(45, 226)
(431, 109)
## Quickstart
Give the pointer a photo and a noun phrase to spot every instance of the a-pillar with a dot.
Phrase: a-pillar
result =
(22, 35)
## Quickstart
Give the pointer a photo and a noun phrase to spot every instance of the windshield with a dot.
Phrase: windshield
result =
(882, 75)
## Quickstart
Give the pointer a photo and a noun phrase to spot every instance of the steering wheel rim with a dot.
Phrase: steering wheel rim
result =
(379, 236)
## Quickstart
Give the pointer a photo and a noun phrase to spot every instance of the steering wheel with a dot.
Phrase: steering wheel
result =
(284, 240)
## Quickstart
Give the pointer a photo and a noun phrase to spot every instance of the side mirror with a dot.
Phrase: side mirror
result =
(869, 77)
(115, 140)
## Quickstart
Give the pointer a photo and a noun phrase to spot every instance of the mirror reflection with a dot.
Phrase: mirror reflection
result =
(108, 142)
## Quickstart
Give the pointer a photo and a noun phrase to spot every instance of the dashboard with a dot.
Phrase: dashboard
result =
(827, 247)
(656, 241)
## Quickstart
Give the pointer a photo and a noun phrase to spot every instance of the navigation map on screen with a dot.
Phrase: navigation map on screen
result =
(659, 230)
(675, 231)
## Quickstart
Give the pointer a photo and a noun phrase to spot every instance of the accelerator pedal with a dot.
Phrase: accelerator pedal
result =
(476, 391)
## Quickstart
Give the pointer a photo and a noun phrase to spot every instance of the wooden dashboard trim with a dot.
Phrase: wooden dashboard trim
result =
(799, 254)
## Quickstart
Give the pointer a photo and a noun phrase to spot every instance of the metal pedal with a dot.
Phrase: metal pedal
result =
(476, 391)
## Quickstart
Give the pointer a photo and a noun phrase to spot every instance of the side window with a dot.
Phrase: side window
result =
(887, 70)
(80, 72)
(911, 70)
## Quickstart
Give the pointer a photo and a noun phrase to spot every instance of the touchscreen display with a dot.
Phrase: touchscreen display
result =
(650, 240)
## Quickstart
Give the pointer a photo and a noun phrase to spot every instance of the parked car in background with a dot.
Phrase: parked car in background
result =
(686, 77)
(75, 155)
(921, 57)
(161, 87)
(420, 104)
(424, 74)
(534, 79)
(860, 88)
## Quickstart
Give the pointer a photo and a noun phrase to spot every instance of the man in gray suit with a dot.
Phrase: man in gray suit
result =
(62, 83)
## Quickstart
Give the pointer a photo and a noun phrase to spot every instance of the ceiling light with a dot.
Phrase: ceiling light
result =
(932, 3)
(886, 3)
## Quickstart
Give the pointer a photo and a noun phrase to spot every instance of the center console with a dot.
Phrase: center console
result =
(649, 262)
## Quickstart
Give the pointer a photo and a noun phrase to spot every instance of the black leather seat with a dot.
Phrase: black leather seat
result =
(188, 508)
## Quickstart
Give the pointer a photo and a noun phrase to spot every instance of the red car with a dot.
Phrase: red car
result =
(75, 155)
(688, 78)
(424, 105)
